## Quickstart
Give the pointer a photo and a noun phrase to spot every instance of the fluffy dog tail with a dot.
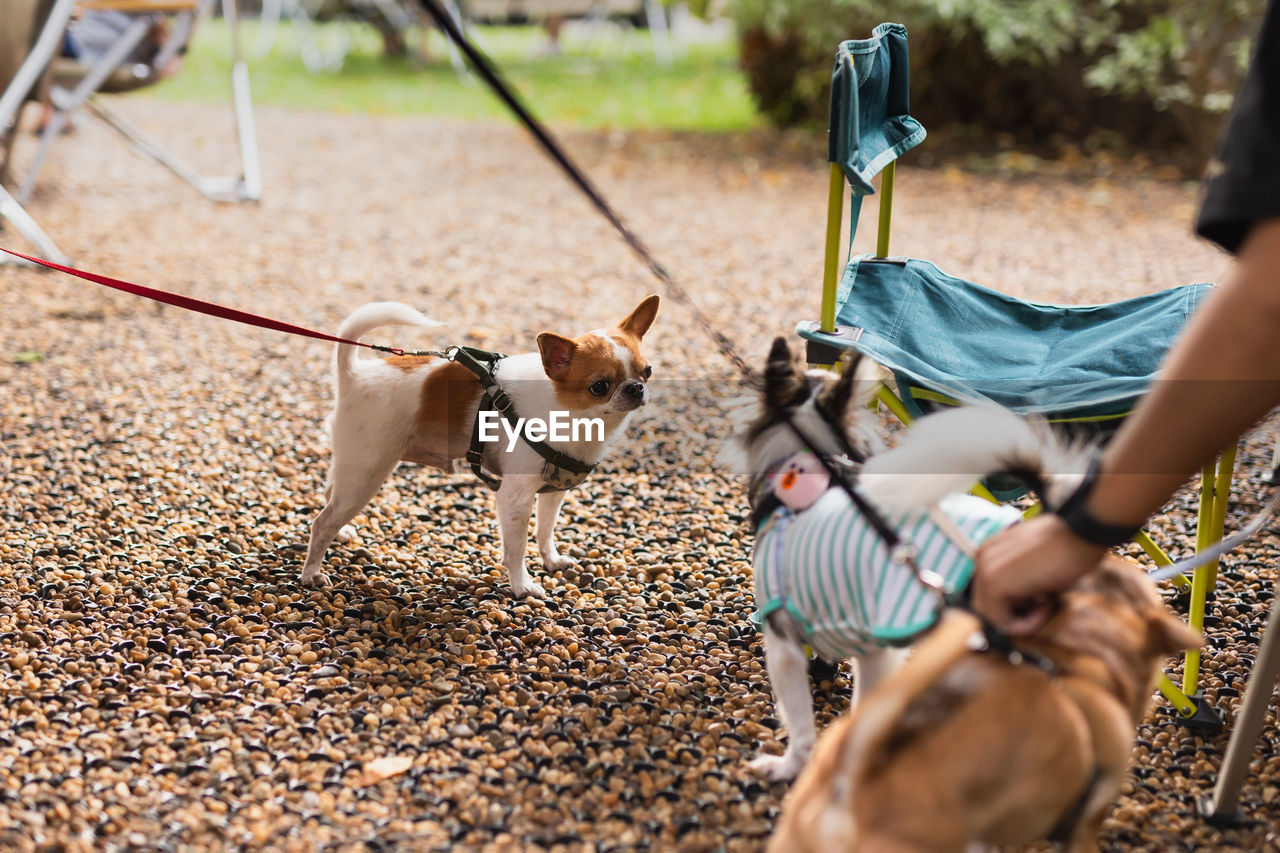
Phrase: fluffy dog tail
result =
(365, 319)
(947, 453)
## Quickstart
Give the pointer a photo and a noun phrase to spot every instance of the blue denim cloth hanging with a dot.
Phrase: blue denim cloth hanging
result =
(870, 126)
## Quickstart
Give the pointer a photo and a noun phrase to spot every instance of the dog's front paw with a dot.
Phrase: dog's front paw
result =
(314, 578)
(777, 768)
(557, 562)
(528, 589)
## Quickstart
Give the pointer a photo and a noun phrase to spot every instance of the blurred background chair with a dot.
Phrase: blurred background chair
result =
(551, 14)
(31, 34)
(136, 43)
(135, 58)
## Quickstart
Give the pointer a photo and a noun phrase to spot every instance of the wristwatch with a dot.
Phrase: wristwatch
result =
(1086, 526)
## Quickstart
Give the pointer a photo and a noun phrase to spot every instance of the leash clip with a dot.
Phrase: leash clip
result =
(903, 554)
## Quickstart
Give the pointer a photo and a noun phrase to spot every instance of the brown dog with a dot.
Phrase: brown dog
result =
(963, 746)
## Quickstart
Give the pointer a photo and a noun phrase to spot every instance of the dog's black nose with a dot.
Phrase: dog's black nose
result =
(634, 390)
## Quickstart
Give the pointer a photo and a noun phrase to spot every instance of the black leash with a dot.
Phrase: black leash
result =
(489, 72)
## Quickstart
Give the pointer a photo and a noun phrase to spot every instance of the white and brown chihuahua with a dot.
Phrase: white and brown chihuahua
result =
(416, 408)
(823, 578)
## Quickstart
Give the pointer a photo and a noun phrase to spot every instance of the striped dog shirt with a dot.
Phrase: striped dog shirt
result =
(832, 572)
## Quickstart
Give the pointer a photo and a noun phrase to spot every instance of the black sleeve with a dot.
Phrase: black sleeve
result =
(1243, 184)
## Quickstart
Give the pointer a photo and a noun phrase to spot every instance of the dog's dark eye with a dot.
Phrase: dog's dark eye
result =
(648, 371)
(600, 387)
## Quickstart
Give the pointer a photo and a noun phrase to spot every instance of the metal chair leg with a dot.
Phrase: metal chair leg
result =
(1215, 491)
(1222, 805)
(246, 129)
(14, 212)
(11, 100)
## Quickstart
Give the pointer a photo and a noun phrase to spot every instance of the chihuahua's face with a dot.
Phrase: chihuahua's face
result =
(602, 372)
(817, 401)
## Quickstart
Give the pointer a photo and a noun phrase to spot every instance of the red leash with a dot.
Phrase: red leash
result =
(210, 308)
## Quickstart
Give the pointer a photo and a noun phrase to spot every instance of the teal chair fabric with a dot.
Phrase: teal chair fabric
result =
(977, 345)
(870, 126)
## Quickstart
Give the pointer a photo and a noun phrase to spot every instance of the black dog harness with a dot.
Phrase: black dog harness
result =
(560, 471)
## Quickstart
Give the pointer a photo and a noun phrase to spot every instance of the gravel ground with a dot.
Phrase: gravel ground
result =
(168, 685)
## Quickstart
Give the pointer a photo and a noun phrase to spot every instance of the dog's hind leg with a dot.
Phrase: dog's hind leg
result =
(873, 667)
(789, 674)
(348, 531)
(351, 486)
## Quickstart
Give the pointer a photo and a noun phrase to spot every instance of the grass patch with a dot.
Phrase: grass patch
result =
(605, 77)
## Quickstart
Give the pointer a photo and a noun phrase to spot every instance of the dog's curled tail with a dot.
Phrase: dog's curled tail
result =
(877, 714)
(368, 317)
(947, 453)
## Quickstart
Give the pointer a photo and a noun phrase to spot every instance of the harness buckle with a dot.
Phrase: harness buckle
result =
(560, 479)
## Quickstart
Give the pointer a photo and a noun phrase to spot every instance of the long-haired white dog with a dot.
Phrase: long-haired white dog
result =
(824, 579)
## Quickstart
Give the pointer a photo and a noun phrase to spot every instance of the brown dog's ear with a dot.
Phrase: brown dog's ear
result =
(1167, 634)
(838, 397)
(784, 383)
(557, 354)
(639, 320)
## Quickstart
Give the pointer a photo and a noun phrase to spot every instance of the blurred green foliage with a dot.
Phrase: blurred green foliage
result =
(1180, 60)
(600, 79)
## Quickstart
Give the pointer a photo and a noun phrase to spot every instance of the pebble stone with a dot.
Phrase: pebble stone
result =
(169, 686)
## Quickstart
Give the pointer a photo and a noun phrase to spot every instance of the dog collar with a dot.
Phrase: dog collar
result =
(560, 471)
(991, 640)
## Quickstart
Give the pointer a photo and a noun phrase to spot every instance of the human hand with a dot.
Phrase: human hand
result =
(1020, 571)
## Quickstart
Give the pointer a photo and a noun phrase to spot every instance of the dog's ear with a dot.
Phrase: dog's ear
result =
(557, 354)
(1167, 634)
(639, 320)
(784, 383)
(780, 357)
(838, 397)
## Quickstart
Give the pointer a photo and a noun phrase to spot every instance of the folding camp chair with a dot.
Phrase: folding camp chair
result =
(27, 48)
(75, 86)
(18, 19)
(946, 341)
